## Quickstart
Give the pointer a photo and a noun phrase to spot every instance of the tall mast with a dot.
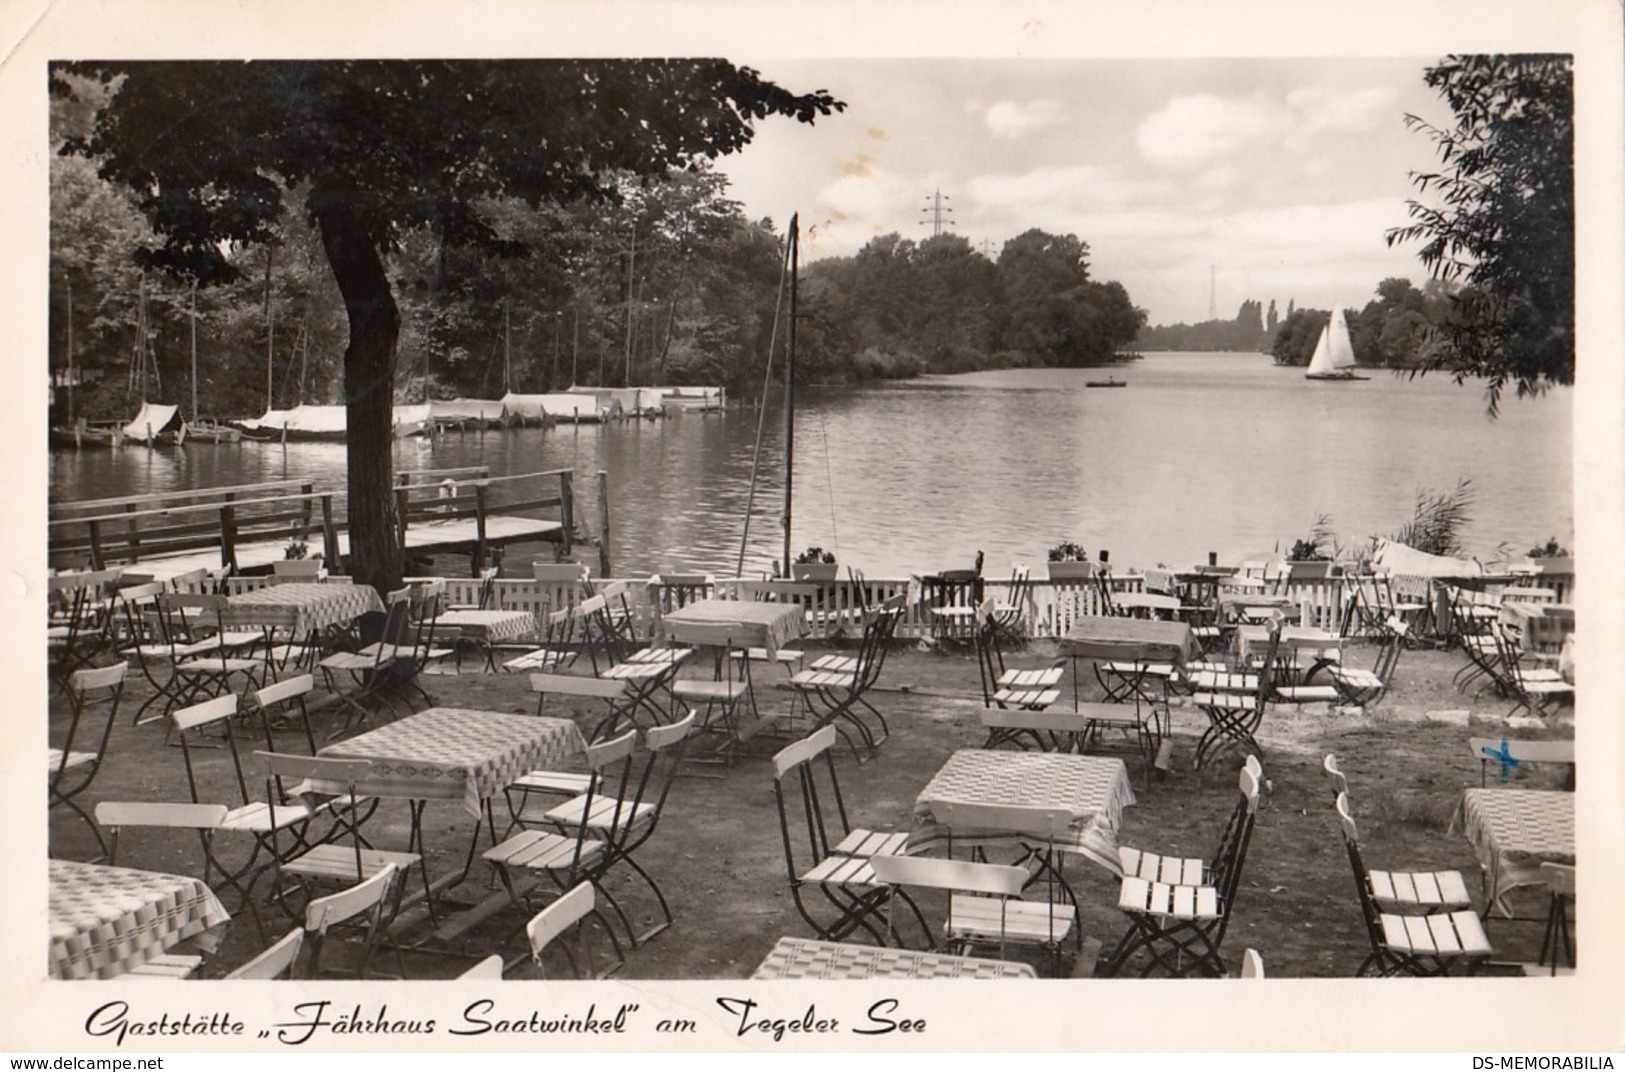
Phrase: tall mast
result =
(194, 351)
(70, 351)
(507, 349)
(790, 395)
(270, 326)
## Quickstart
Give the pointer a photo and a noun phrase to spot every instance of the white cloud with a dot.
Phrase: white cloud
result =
(1316, 109)
(1193, 130)
(1017, 119)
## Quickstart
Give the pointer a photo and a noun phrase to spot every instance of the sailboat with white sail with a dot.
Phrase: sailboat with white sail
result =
(1333, 358)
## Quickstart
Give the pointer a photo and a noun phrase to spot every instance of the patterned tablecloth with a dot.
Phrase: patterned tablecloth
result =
(490, 626)
(1539, 626)
(1095, 789)
(1130, 639)
(105, 921)
(761, 625)
(303, 608)
(807, 958)
(449, 753)
(1514, 831)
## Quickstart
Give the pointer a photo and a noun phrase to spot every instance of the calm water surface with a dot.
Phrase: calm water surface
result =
(1199, 453)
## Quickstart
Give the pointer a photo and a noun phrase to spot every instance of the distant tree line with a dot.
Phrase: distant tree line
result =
(1252, 330)
(899, 308)
(669, 284)
(1396, 329)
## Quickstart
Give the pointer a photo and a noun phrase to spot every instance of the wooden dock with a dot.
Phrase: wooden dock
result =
(249, 527)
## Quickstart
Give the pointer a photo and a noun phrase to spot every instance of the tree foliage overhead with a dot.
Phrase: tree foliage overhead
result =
(1503, 223)
(380, 149)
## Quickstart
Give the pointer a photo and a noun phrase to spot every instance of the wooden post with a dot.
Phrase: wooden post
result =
(330, 536)
(228, 536)
(567, 506)
(603, 525)
(479, 528)
(403, 498)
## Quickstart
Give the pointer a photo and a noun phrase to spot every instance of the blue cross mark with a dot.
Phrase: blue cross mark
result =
(1505, 757)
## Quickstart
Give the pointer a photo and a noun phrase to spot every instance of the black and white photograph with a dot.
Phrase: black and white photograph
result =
(890, 528)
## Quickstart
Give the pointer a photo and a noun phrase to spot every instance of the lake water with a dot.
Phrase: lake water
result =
(1199, 453)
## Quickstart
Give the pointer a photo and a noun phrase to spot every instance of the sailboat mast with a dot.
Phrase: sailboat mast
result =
(70, 352)
(790, 394)
(194, 351)
(270, 327)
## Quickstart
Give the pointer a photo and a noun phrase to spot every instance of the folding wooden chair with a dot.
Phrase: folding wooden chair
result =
(366, 899)
(568, 855)
(1404, 892)
(835, 686)
(277, 961)
(1033, 689)
(823, 851)
(624, 816)
(1234, 703)
(93, 700)
(1433, 944)
(1178, 912)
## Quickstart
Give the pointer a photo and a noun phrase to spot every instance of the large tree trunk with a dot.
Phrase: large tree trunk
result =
(369, 380)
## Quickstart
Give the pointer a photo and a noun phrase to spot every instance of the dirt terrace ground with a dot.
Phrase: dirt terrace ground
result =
(718, 854)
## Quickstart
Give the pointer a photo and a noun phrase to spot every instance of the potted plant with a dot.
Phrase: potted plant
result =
(1309, 560)
(1069, 563)
(815, 564)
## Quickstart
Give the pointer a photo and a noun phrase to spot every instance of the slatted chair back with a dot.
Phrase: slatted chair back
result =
(561, 916)
(1231, 853)
(989, 652)
(288, 775)
(115, 815)
(276, 962)
(290, 693)
(87, 690)
(663, 755)
(216, 714)
(365, 898)
(1050, 730)
(672, 591)
(1001, 881)
(1103, 589)
(812, 811)
(877, 635)
(1351, 842)
(196, 581)
(1334, 775)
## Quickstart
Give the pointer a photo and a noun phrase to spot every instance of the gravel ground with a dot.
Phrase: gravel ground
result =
(718, 854)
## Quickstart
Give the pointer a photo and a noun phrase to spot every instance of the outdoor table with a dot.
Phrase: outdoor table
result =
(488, 628)
(1324, 647)
(1149, 601)
(1243, 605)
(302, 609)
(106, 921)
(761, 624)
(1539, 627)
(1127, 640)
(1095, 789)
(1514, 831)
(809, 958)
(452, 753)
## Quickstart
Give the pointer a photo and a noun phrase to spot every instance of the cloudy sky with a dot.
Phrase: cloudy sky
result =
(1248, 178)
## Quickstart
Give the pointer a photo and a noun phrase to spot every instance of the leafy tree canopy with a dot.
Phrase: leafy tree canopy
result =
(1503, 222)
(382, 148)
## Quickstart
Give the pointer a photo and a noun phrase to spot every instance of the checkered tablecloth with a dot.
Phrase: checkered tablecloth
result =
(805, 958)
(303, 608)
(1539, 626)
(450, 753)
(1514, 831)
(1095, 789)
(105, 921)
(490, 626)
(1131, 639)
(761, 625)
